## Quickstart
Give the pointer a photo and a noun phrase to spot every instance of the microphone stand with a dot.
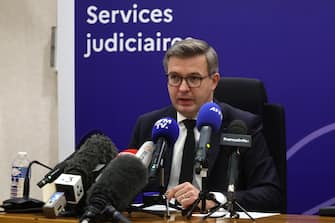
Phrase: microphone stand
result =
(229, 206)
(161, 191)
(26, 183)
(112, 214)
(231, 200)
(201, 167)
(25, 204)
(162, 198)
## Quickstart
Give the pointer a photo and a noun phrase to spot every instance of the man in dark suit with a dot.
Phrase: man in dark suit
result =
(192, 72)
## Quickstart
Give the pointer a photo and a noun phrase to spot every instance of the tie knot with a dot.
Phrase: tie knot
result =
(189, 124)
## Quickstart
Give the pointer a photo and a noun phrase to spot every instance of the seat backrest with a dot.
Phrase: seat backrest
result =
(249, 94)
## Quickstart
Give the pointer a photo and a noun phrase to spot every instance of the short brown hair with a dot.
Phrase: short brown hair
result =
(193, 47)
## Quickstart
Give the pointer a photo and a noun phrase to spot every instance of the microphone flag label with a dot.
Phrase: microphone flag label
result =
(236, 140)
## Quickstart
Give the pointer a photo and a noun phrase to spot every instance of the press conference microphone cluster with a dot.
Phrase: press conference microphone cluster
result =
(164, 133)
(208, 121)
(77, 173)
(123, 178)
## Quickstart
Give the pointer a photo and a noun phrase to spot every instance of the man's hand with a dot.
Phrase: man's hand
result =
(184, 193)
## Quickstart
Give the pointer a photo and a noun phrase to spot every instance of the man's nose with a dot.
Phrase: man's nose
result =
(184, 85)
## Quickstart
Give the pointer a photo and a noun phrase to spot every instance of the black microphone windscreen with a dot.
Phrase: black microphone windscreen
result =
(119, 183)
(97, 149)
(238, 127)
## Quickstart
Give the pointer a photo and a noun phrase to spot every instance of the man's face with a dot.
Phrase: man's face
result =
(188, 100)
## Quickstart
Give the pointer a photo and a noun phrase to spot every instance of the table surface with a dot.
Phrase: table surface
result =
(143, 217)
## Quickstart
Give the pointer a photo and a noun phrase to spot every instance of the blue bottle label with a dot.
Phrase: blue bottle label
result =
(17, 184)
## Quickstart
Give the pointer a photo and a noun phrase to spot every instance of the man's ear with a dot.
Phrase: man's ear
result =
(215, 78)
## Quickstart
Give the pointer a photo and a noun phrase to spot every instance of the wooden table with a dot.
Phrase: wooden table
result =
(145, 218)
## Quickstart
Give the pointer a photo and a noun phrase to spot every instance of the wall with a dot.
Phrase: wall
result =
(28, 88)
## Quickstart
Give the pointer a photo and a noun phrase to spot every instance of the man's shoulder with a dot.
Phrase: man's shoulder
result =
(145, 122)
(157, 114)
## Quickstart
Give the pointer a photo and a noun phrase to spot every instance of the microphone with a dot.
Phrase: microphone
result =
(54, 173)
(128, 151)
(145, 153)
(238, 139)
(208, 121)
(164, 132)
(122, 179)
(81, 170)
(55, 205)
(106, 144)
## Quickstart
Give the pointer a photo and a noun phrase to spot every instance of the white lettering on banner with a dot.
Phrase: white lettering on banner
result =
(134, 15)
(120, 41)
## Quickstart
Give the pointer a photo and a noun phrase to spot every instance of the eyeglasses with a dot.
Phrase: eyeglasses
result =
(175, 80)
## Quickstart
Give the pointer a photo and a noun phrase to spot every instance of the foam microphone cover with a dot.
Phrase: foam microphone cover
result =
(119, 183)
(210, 115)
(238, 127)
(166, 128)
(97, 149)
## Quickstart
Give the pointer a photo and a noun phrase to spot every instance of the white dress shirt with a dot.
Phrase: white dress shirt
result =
(178, 154)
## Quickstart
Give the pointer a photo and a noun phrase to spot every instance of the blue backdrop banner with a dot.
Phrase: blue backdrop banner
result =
(289, 45)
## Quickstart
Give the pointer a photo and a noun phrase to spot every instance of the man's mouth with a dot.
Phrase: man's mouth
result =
(185, 100)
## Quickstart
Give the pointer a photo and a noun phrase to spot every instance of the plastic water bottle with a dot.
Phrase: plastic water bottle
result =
(19, 171)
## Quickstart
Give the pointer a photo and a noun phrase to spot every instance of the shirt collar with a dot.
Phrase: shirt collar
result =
(181, 118)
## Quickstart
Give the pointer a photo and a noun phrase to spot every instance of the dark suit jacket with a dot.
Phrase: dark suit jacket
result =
(258, 188)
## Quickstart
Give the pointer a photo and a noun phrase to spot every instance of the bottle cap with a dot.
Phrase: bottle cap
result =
(22, 153)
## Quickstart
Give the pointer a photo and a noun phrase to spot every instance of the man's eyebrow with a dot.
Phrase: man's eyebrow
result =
(194, 74)
(189, 74)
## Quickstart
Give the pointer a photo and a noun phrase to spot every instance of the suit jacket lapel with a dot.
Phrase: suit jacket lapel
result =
(212, 153)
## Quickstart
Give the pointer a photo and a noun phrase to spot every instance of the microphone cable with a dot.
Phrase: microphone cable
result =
(26, 183)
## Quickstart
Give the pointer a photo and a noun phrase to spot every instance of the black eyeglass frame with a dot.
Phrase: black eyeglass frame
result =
(196, 77)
